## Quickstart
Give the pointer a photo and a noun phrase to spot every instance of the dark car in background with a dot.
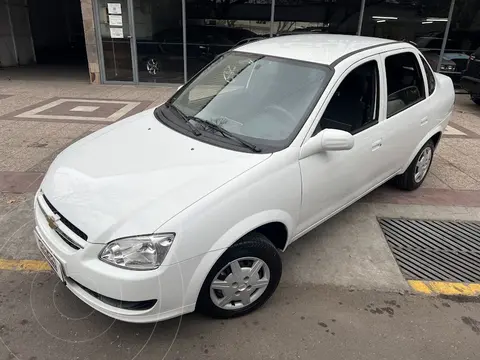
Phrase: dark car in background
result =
(454, 61)
(448, 66)
(471, 77)
(460, 44)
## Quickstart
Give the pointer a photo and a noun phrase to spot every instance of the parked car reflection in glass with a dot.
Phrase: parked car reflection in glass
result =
(161, 58)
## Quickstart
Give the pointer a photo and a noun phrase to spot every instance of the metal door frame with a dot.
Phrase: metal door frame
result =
(133, 47)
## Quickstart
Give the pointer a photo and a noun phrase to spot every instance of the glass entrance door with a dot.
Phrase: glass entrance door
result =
(159, 40)
(116, 39)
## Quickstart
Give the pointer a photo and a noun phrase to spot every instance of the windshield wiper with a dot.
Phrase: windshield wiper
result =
(226, 133)
(185, 118)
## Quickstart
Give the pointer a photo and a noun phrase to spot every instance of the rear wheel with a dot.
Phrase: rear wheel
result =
(242, 280)
(416, 173)
(476, 99)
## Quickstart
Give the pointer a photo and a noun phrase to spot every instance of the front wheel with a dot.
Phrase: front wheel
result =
(242, 279)
(416, 173)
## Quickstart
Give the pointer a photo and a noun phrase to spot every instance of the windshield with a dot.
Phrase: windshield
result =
(264, 100)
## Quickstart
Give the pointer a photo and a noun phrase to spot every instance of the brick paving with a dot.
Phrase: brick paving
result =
(86, 111)
(38, 119)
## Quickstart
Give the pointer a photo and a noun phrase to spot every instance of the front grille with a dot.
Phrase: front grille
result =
(122, 304)
(67, 223)
(67, 239)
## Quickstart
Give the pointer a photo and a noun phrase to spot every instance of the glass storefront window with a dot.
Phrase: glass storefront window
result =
(321, 16)
(215, 26)
(159, 40)
(421, 22)
(464, 34)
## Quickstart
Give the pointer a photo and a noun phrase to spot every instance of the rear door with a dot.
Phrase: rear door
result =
(407, 116)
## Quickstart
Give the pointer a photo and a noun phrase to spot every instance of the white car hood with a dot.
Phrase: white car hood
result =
(131, 177)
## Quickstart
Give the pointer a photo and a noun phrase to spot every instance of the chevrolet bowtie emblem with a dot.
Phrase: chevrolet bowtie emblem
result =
(52, 221)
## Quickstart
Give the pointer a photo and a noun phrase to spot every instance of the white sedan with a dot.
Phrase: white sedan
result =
(185, 207)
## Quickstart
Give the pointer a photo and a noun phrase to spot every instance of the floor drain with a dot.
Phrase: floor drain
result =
(435, 250)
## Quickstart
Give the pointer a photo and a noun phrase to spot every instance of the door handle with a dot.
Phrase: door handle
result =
(376, 144)
(424, 121)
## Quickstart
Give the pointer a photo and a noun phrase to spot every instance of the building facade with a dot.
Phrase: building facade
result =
(168, 41)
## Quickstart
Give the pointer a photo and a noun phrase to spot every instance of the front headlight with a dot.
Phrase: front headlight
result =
(443, 67)
(144, 252)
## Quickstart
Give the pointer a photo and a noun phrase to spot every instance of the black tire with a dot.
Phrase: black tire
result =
(251, 245)
(476, 99)
(406, 181)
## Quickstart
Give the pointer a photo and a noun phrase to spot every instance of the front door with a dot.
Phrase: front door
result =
(115, 24)
(333, 179)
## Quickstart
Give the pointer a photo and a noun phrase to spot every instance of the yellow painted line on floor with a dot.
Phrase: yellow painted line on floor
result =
(24, 265)
(444, 288)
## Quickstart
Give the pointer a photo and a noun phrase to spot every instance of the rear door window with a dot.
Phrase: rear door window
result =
(430, 77)
(405, 84)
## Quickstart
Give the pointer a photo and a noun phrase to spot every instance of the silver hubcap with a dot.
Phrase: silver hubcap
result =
(423, 164)
(152, 66)
(240, 283)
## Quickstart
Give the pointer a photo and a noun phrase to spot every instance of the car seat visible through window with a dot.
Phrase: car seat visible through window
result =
(346, 109)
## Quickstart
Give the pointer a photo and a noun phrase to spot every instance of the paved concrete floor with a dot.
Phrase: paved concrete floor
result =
(346, 260)
(41, 320)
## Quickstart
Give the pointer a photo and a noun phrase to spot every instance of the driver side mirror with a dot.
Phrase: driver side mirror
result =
(327, 140)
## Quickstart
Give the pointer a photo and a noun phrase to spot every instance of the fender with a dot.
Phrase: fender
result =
(437, 129)
(251, 223)
(229, 238)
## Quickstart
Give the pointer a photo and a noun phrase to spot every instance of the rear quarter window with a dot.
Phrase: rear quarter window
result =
(431, 82)
(405, 84)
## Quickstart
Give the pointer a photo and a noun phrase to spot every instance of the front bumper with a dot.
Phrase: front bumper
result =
(127, 295)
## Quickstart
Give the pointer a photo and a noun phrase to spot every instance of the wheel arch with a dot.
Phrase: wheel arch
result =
(435, 134)
(436, 138)
(267, 222)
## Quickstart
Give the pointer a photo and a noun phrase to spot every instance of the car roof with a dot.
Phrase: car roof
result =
(326, 49)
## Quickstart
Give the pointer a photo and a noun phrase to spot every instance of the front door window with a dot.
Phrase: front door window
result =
(354, 106)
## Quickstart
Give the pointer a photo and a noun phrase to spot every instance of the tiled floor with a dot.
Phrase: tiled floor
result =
(68, 110)
(40, 118)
